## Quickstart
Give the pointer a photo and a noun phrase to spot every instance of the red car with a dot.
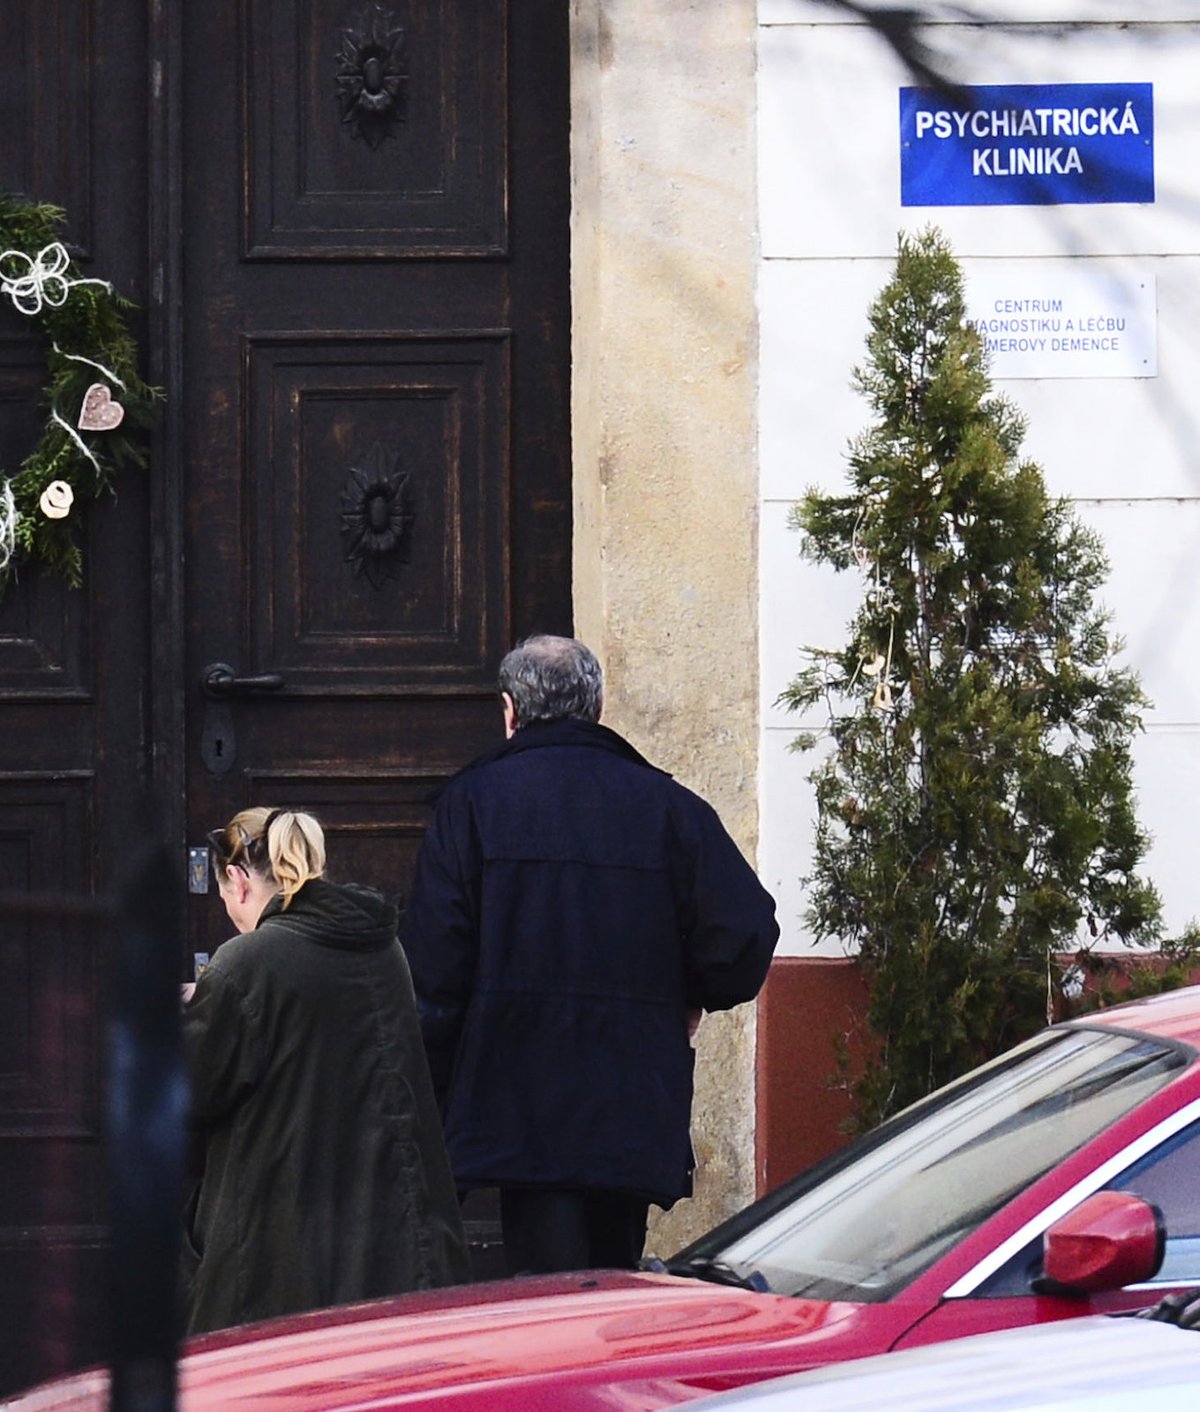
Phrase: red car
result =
(1058, 1180)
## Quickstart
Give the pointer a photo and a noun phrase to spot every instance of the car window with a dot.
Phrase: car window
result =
(926, 1180)
(1167, 1176)
(1170, 1177)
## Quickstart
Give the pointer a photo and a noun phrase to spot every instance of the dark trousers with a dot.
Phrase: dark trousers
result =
(547, 1229)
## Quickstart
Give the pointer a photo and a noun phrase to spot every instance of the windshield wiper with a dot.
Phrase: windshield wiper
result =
(705, 1267)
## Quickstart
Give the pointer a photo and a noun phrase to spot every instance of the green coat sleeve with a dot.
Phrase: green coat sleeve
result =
(223, 1046)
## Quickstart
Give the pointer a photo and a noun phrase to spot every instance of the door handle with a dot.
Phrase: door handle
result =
(219, 679)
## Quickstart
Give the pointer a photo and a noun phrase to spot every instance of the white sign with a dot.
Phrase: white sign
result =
(1045, 319)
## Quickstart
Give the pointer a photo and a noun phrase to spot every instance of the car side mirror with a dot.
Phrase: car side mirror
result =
(1110, 1240)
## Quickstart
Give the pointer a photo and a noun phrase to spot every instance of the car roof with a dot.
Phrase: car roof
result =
(1174, 1015)
(1100, 1364)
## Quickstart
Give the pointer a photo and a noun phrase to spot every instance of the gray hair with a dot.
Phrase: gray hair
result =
(553, 679)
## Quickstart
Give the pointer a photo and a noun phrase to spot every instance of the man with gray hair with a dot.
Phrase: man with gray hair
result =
(574, 910)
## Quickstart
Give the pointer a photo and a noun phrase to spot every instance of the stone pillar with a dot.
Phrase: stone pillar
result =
(664, 438)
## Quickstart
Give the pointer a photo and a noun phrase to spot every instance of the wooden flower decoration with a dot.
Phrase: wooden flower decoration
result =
(372, 76)
(376, 518)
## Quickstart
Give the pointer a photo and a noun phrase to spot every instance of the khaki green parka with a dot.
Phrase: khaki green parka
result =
(325, 1176)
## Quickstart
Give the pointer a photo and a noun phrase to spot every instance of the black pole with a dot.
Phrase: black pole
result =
(146, 1099)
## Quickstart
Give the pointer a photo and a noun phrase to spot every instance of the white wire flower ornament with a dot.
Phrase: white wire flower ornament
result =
(92, 400)
(44, 280)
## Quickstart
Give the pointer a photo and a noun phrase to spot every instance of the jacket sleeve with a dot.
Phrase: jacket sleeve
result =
(440, 935)
(727, 917)
(223, 1048)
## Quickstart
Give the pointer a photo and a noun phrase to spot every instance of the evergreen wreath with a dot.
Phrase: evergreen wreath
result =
(95, 402)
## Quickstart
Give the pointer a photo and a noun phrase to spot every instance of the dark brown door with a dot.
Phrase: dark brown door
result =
(73, 690)
(348, 227)
(374, 282)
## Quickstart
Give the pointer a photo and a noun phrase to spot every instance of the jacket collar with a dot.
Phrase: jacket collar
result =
(543, 735)
(586, 733)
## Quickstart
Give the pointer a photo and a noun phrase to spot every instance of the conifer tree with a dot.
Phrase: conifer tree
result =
(975, 811)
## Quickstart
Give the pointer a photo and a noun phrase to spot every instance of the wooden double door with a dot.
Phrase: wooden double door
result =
(346, 227)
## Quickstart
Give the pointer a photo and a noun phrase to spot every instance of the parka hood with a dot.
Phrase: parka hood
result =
(348, 916)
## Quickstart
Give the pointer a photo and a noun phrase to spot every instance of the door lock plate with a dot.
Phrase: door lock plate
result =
(218, 744)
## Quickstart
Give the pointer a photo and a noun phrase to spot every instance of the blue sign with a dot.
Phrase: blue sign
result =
(1027, 145)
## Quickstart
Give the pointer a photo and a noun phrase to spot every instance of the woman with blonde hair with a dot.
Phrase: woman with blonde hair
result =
(325, 1172)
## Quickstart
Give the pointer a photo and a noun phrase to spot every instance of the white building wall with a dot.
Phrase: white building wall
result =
(1126, 450)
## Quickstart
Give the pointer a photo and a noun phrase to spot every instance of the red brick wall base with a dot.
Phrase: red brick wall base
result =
(806, 1006)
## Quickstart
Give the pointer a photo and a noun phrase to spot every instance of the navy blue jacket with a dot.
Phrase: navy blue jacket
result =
(571, 903)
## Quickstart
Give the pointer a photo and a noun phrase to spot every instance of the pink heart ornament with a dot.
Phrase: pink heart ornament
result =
(99, 412)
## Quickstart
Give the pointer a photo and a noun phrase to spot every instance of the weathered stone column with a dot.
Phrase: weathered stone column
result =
(664, 396)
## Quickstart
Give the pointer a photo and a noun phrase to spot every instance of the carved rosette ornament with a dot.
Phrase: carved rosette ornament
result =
(372, 76)
(377, 518)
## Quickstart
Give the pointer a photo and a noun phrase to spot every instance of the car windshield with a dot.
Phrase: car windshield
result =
(899, 1197)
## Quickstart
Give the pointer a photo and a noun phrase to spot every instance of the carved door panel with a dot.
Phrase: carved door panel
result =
(375, 378)
(73, 678)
